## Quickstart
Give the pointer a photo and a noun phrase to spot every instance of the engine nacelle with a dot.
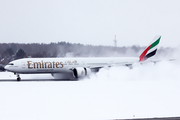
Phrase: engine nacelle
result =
(81, 72)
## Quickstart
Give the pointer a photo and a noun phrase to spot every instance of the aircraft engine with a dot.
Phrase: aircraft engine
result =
(81, 72)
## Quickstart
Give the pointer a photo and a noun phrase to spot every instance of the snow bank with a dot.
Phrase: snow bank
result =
(145, 91)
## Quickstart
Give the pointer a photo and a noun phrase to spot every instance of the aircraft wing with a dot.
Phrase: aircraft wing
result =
(96, 68)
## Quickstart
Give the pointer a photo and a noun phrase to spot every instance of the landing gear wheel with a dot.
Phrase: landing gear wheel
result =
(18, 78)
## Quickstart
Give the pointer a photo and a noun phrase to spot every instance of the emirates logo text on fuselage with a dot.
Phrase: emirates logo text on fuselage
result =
(33, 65)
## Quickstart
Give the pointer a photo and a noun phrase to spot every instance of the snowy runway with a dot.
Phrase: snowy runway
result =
(116, 93)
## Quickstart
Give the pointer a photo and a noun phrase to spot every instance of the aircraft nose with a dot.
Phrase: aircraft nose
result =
(6, 67)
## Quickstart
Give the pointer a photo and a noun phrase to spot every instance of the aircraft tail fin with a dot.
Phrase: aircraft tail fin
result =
(151, 49)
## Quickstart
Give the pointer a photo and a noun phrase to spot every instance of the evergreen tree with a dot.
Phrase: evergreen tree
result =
(20, 54)
(7, 53)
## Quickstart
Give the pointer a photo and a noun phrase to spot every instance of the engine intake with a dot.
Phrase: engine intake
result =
(81, 72)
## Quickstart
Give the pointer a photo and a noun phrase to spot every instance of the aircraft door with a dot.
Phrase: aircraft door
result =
(83, 63)
(23, 64)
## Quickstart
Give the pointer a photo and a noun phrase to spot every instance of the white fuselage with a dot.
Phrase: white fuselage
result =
(63, 65)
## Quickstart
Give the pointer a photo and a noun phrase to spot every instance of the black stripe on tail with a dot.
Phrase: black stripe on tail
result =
(150, 54)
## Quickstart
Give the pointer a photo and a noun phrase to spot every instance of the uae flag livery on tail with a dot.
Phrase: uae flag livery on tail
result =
(150, 50)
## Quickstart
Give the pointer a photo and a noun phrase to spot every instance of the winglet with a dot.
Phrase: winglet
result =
(151, 49)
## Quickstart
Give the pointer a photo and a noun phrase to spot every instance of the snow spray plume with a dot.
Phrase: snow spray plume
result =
(165, 70)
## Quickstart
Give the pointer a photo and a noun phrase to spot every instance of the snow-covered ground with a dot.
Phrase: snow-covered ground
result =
(144, 91)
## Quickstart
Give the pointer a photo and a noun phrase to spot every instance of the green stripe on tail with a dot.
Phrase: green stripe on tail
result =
(150, 50)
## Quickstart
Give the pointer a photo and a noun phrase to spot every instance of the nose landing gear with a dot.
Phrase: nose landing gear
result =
(18, 77)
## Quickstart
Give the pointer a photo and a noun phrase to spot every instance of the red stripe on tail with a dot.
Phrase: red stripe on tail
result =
(141, 57)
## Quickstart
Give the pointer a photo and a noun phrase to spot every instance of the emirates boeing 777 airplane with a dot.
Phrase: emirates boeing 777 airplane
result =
(73, 68)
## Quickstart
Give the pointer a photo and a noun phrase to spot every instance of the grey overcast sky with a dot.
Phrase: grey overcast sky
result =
(95, 22)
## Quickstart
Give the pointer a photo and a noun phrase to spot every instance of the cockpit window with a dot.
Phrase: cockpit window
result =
(10, 64)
